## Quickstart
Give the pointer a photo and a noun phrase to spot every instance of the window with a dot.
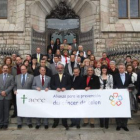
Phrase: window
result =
(3, 8)
(129, 8)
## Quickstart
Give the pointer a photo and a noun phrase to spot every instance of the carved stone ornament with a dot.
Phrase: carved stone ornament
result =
(62, 11)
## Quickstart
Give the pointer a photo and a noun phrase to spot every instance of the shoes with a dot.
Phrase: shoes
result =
(125, 128)
(30, 126)
(85, 124)
(5, 127)
(92, 125)
(19, 126)
(37, 126)
(54, 125)
(67, 128)
(118, 128)
(72, 125)
(106, 127)
(13, 116)
(46, 127)
(78, 126)
(1, 126)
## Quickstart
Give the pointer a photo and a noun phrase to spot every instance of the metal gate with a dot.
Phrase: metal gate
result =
(38, 40)
(86, 39)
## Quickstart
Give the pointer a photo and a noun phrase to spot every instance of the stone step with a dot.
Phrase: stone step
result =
(134, 120)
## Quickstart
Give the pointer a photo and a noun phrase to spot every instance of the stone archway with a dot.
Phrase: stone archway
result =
(85, 9)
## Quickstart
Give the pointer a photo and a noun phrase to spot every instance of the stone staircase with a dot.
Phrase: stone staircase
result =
(135, 120)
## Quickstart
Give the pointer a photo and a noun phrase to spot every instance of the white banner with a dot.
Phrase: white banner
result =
(74, 104)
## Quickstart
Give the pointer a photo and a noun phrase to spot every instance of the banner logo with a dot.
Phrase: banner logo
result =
(23, 98)
(116, 99)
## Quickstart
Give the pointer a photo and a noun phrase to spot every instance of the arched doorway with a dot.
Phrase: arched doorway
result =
(62, 23)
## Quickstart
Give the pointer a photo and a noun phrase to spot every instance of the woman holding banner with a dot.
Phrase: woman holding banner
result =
(106, 82)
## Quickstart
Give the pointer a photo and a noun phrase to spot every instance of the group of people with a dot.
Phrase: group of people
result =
(65, 67)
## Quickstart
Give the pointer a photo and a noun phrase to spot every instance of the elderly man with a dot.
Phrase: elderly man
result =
(41, 82)
(6, 86)
(75, 45)
(81, 49)
(38, 55)
(23, 81)
(60, 82)
(121, 81)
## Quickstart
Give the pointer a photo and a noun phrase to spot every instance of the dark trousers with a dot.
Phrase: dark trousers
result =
(75, 121)
(4, 112)
(122, 122)
(64, 122)
(104, 122)
(14, 104)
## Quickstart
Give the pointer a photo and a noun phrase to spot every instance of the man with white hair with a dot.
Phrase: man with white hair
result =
(60, 82)
(121, 81)
(80, 49)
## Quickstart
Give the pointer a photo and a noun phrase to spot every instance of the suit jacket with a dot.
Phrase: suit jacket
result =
(94, 82)
(64, 83)
(38, 83)
(118, 82)
(48, 72)
(53, 69)
(28, 82)
(68, 68)
(74, 47)
(14, 70)
(7, 87)
(77, 83)
(53, 50)
(35, 55)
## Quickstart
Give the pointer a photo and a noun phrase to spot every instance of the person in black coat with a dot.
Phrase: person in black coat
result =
(60, 82)
(121, 81)
(43, 64)
(38, 55)
(90, 81)
(52, 47)
(76, 84)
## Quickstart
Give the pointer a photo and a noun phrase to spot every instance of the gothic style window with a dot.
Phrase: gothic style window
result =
(129, 8)
(3, 8)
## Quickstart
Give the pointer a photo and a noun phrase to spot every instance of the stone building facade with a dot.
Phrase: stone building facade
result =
(109, 32)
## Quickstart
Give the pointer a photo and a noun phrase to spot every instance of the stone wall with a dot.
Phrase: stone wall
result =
(102, 15)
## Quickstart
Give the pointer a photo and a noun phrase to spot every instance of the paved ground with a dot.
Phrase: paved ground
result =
(73, 134)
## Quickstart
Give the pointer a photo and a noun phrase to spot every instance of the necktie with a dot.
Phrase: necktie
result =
(38, 58)
(55, 65)
(60, 77)
(42, 80)
(4, 78)
(88, 79)
(23, 80)
(74, 78)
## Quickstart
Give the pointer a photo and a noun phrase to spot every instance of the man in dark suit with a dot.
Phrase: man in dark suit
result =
(121, 81)
(74, 45)
(77, 83)
(91, 81)
(38, 55)
(52, 47)
(60, 82)
(6, 86)
(43, 64)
